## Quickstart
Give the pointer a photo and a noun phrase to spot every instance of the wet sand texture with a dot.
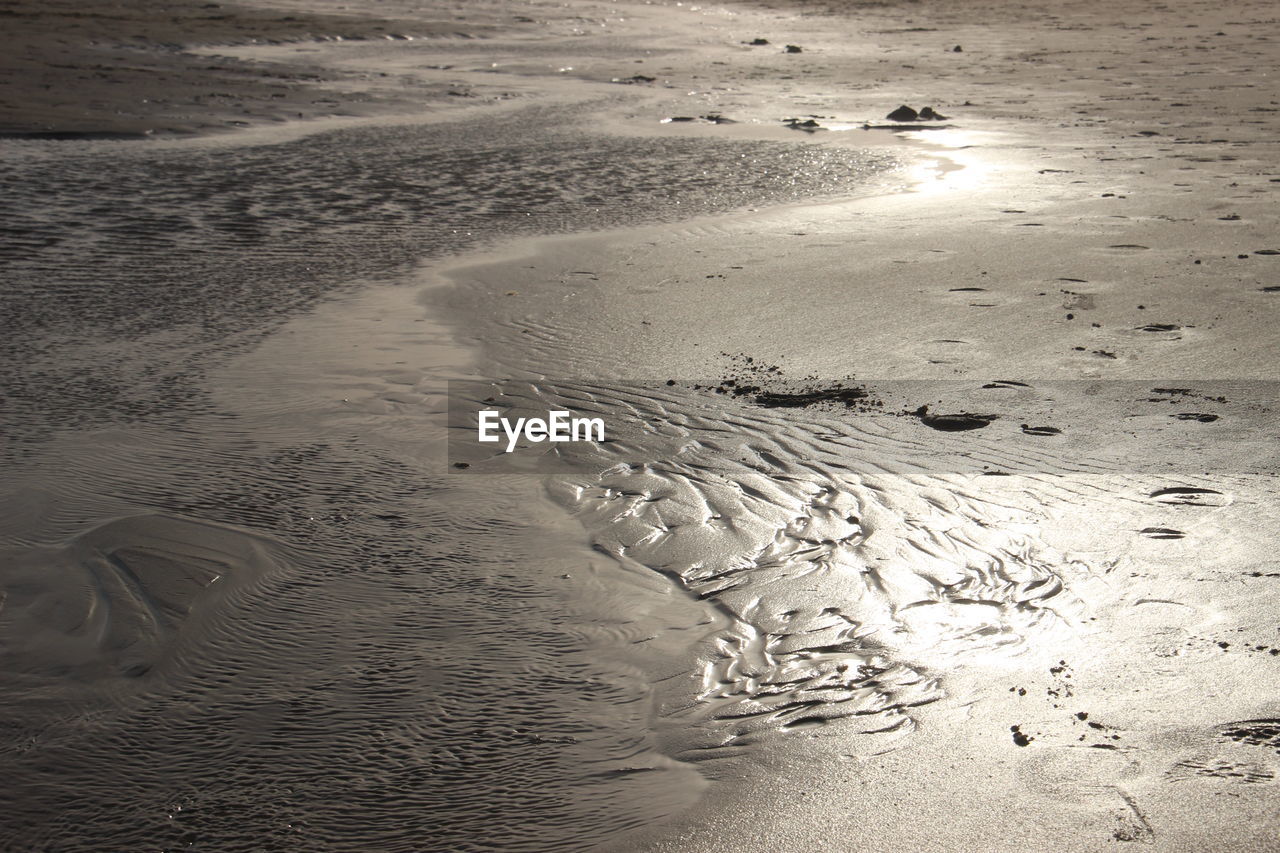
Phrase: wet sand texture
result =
(98, 71)
(983, 560)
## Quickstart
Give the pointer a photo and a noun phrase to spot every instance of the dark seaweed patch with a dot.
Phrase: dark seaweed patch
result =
(959, 422)
(838, 394)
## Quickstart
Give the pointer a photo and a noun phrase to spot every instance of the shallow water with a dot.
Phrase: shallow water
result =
(348, 648)
(245, 605)
(117, 260)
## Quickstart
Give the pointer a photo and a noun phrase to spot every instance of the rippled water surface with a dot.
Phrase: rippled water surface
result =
(244, 606)
(201, 249)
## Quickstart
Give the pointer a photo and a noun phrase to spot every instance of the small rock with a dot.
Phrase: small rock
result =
(927, 114)
(808, 125)
(756, 42)
(957, 49)
(791, 48)
(903, 113)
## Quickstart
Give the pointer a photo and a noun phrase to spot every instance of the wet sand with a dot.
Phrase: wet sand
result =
(137, 70)
(1010, 594)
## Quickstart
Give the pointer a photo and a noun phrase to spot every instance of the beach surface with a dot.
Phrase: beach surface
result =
(937, 510)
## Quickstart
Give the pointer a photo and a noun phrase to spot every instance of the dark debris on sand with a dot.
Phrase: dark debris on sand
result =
(764, 385)
(906, 113)
(834, 394)
(958, 422)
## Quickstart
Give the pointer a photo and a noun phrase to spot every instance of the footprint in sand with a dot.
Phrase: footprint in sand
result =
(1161, 331)
(1228, 763)
(1190, 496)
(1263, 732)
(1161, 533)
(1235, 771)
(944, 350)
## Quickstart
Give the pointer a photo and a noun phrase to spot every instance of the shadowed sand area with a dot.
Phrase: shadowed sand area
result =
(937, 505)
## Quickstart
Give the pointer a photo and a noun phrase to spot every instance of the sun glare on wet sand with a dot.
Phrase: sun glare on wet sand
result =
(637, 426)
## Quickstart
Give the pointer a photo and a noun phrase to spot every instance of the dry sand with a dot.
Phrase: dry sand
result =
(914, 638)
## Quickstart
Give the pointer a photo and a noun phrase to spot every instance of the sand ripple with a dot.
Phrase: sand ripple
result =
(113, 601)
(853, 573)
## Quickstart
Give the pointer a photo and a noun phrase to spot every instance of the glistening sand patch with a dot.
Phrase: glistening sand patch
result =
(854, 570)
